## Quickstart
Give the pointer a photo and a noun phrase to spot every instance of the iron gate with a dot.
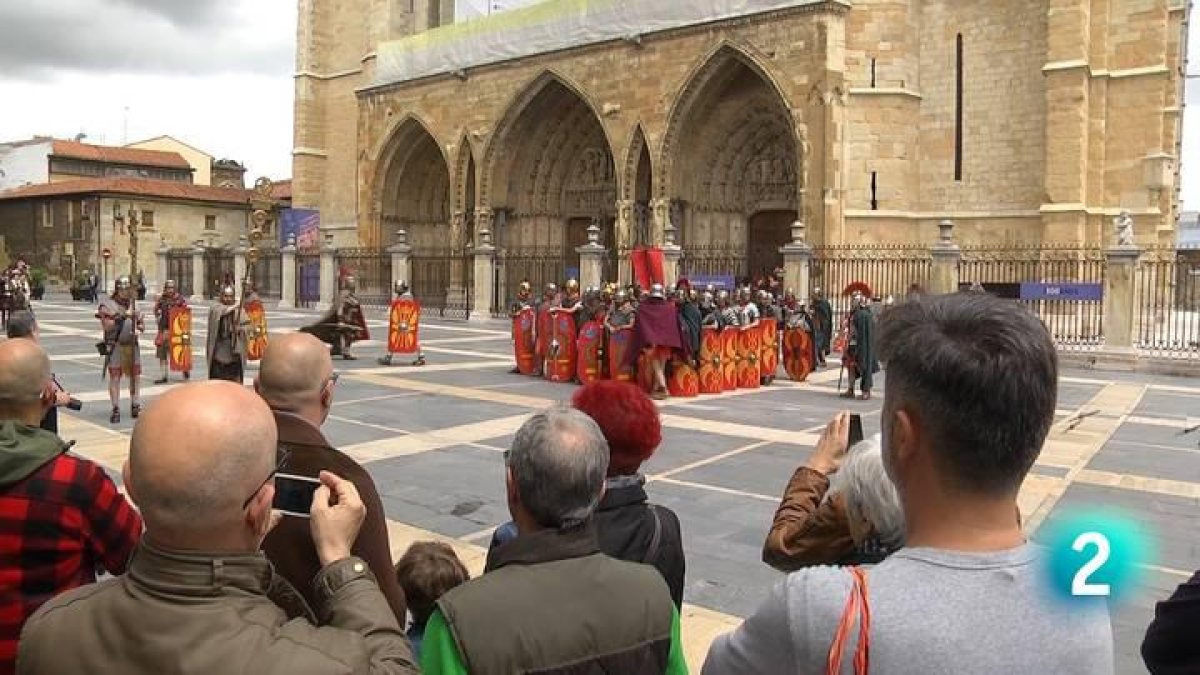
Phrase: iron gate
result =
(218, 271)
(267, 275)
(443, 282)
(1167, 304)
(372, 271)
(538, 265)
(179, 269)
(308, 278)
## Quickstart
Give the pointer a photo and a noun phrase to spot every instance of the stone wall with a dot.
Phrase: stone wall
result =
(1070, 113)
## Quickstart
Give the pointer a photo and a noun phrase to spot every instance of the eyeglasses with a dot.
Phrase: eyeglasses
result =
(279, 466)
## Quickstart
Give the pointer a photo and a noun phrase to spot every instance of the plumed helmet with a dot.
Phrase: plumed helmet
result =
(657, 291)
(401, 287)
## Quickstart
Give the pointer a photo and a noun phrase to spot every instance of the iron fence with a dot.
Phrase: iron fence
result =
(1075, 324)
(889, 270)
(1167, 304)
(442, 280)
(308, 278)
(267, 275)
(371, 269)
(218, 271)
(179, 269)
(710, 261)
(537, 265)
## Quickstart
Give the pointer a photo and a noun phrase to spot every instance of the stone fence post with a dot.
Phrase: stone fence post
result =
(1119, 292)
(199, 283)
(797, 263)
(484, 275)
(400, 252)
(239, 266)
(946, 256)
(591, 259)
(287, 273)
(329, 280)
(160, 276)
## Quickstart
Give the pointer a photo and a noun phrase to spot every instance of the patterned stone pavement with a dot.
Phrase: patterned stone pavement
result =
(431, 437)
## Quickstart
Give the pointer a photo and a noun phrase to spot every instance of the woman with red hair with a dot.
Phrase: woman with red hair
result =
(630, 528)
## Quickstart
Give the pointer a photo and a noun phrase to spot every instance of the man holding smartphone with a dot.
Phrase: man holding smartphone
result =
(200, 597)
(297, 380)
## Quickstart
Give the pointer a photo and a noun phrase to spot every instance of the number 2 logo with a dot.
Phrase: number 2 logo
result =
(1080, 586)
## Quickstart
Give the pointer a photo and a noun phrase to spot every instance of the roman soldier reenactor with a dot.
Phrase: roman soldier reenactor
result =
(657, 331)
(169, 299)
(859, 355)
(226, 345)
(122, 323)
(404, 321)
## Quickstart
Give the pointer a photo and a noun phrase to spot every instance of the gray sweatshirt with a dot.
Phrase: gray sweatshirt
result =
(932, 612)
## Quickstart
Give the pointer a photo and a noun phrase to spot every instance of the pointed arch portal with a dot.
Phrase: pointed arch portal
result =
(733, 162)
(551, 176)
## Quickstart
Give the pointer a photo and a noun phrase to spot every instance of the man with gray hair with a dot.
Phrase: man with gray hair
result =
(552, 599)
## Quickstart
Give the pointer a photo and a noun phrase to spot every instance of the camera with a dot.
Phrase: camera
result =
(75, 404)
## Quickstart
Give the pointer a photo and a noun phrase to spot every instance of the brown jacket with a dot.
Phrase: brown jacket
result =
(188, 613)
(289, 546)
(807, 531)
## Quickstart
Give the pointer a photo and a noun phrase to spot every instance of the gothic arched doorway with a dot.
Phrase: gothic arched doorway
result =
(549, 175)
(731, 160)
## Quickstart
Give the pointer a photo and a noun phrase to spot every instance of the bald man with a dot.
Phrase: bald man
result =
(199, 596)
(60, 516)
(297, 380)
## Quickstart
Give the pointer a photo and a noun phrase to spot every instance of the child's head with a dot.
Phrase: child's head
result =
(426, 571)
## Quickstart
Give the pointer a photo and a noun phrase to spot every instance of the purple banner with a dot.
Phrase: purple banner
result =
(303, 224)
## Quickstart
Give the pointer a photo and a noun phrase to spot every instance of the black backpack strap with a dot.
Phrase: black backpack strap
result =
(655, 539)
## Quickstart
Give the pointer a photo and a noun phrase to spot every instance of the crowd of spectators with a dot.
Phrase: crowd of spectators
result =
(905, 553)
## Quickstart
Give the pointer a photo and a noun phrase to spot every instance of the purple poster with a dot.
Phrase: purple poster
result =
(303, 224)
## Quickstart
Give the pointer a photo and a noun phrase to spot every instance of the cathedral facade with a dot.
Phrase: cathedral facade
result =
(719, 124)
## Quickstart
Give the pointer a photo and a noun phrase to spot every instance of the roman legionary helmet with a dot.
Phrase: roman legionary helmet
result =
(169, 285)
(228, 294)
(657, 291)
(124, 283)
(550, 289)
(572, 286)
(350, 283)
(525, 288)
(401, 287)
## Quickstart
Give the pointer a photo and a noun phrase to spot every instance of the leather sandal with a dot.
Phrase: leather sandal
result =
(115, 417)
(135, 410)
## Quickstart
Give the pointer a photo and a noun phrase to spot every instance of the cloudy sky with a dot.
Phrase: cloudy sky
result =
(213, 73)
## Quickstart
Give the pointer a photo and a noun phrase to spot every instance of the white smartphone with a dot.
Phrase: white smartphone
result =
(294, 494)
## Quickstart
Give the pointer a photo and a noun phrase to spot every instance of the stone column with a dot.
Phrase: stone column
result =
(797, 262)
(623, 234)
(160, 275)
(328, 282)
(1119, 298)
(485, 263)
(672, 253)
(239, 265)
(943, 275)
(400, 252)
(591, 259)
(287, 270)
(199, 283)
(660, 221)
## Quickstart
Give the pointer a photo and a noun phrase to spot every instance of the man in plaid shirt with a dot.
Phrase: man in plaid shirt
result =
(61, 517)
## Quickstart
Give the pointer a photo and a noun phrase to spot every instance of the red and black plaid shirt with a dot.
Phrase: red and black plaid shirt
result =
(56, 527)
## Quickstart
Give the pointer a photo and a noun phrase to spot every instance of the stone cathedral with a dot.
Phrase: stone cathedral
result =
(716, 124)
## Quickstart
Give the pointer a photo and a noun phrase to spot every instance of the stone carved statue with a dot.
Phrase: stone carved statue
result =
(1124, 227)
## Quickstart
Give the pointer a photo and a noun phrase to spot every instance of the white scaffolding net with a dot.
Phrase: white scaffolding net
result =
(549, 26)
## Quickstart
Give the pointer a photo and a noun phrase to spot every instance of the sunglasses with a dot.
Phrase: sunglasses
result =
(279, 466)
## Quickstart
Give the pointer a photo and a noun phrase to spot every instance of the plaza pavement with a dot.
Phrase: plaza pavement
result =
(432, 439)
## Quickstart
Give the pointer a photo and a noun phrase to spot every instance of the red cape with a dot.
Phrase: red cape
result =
(657, 325)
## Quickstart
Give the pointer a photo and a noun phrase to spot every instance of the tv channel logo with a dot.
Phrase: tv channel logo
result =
(1097, 552)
